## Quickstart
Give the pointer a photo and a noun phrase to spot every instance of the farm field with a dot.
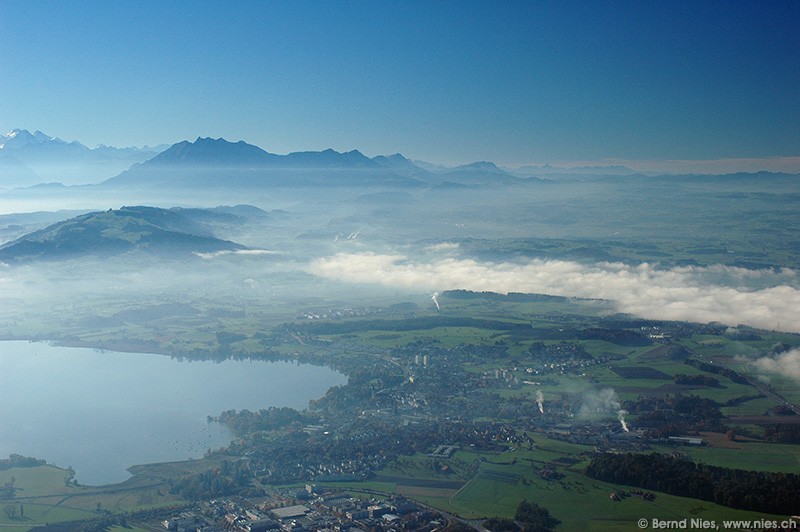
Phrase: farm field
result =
(503, 479)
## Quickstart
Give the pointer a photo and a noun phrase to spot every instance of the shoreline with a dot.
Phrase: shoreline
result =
(201, 450)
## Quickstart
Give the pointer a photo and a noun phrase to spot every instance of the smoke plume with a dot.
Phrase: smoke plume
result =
(598, 402)
(621, 416)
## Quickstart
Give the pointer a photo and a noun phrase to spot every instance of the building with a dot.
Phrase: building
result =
(290, 512)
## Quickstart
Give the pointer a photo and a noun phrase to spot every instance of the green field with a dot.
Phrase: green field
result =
(42, 496)
(749, 455)
(503, 480)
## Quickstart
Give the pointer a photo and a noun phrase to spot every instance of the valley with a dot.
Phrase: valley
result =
(442, 407)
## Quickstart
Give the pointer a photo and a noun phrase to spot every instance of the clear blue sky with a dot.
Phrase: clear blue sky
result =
(444, 81)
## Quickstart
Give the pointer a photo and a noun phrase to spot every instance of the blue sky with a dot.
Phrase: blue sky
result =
(449, 82)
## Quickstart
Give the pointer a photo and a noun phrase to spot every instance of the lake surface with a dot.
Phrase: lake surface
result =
(101, 412)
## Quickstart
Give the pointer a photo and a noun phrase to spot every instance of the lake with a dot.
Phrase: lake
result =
(101, 412)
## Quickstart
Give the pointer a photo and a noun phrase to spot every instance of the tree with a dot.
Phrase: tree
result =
(536, 518)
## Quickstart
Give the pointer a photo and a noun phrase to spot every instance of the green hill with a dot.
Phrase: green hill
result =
(164, 232)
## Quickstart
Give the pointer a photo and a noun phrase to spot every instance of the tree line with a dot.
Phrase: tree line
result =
(760, 491)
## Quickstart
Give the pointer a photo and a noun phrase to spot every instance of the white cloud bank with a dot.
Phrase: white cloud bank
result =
(766, 299)
(787, 364)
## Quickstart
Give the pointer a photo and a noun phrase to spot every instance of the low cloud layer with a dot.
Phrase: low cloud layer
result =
(694, 166)
(787, 364)
(766, 299)
(244, 252)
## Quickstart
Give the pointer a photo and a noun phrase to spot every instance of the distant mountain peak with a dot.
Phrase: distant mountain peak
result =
(479, 165)
(22, 138)
(42, 137)
(212, 140)
(210, 152)
(398, 162)
(328, 158)
(479, 173)
(17, 137)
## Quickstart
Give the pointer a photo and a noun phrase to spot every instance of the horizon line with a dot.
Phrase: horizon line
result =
(789, 164)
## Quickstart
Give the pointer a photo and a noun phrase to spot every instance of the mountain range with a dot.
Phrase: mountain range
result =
(31, 158)
(220, 163)
(164, 232)
(28, 159)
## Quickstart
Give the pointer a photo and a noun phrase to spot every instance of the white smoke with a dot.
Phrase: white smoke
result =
(598, 402)
(602, 403)
(540, 401)
(733, 296)
(435, 298)
(621, 416)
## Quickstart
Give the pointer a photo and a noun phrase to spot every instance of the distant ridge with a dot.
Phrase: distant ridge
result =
(222, 153)
(395, 161)
(28, 159)
(480, 173)
(214, 152)
(549, 170)
(208, 162)
(218, 163)
(20, 139)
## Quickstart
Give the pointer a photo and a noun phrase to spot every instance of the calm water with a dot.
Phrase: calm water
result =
(101, 412)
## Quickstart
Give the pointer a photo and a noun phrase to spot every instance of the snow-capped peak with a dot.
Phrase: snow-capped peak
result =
(41, 137)
(20, 138)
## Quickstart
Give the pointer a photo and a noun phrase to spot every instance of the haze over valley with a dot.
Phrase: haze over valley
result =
(651, 246)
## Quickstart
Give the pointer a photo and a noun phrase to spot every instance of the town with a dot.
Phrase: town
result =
(310, 508)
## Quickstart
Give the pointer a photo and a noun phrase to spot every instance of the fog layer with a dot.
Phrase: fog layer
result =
(766, 299)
